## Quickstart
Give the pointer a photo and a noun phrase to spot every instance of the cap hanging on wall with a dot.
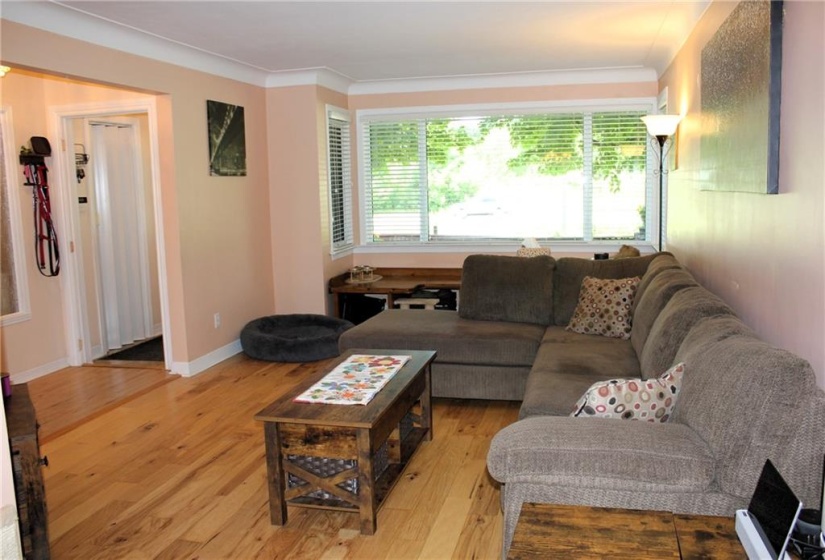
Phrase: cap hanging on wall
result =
(41, 146)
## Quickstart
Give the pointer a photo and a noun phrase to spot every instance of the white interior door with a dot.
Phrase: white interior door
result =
(126, 311)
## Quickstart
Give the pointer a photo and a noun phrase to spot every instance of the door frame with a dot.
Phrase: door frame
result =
(78, 347)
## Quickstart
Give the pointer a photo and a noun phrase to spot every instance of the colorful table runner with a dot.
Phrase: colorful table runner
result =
(356, 380)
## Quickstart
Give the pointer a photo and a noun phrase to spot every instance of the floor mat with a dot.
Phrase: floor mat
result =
(149, 351)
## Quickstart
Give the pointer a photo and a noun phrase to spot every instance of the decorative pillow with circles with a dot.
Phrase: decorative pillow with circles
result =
(604, 307)
(633, 399)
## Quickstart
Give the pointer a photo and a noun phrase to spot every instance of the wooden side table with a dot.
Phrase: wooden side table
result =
(581, 532)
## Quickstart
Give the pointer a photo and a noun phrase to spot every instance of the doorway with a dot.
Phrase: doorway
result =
(121, 236)
(115, 279)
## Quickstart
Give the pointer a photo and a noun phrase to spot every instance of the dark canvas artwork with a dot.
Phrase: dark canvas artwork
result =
(740, 89)
(227, 142)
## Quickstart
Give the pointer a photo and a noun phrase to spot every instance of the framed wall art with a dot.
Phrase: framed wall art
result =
(227, 141)
(740, 96)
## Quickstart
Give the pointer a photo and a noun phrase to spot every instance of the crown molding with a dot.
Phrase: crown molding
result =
(520, 79)
(342, 84)
(62, 20)
(325, 77)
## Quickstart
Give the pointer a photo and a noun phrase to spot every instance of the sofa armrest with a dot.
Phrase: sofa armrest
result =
(601, 453)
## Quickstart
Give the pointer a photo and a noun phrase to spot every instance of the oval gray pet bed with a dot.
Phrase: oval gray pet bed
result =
(293, 338)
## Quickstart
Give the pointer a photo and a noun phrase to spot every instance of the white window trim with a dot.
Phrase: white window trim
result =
(340, 249)
(15, 223)
(648, 104)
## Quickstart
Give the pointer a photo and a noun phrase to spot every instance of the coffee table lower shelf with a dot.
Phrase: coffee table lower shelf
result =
(342, 472)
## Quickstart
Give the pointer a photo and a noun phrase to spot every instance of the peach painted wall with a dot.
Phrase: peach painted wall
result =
(218, 251)
(295, 203)
(39, 340)
(300, 201)
(764, 255)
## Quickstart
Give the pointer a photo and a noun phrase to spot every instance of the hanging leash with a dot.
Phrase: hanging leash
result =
(46, 249)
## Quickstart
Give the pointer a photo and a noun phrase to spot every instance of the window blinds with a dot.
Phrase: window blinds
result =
(340, 182)
(489, 177)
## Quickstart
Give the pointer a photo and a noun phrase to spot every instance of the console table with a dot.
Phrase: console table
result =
(562, 531)
(395, 282)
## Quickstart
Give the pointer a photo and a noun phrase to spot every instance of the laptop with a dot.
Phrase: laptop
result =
(765, 528)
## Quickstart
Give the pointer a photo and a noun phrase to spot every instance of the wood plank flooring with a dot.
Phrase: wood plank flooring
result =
(178, 471)
(69, 397)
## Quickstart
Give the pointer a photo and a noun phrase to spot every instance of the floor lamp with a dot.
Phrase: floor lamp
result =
(661, 129)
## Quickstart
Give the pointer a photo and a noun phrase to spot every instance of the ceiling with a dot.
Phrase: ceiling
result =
(376, 41)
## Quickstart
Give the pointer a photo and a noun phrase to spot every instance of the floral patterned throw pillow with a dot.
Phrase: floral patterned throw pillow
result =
(633, 399)
(604, 307)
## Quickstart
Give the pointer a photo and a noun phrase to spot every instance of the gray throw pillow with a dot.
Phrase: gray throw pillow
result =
(513, 289)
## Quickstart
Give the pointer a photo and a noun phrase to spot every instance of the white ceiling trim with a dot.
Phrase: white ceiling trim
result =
(524, 79)
(315, 76)
(63, 20)
(342, 84)
(71, 23)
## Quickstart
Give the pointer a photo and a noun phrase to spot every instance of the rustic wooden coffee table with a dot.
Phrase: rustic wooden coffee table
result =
(561, 531)
(346, 457)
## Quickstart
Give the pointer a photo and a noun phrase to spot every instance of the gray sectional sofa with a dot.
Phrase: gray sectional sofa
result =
(741, 400)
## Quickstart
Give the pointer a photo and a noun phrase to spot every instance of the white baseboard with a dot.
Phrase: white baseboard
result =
(189, 369)
(39, 371)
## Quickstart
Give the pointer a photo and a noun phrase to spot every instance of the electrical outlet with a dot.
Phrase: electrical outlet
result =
(217, 318)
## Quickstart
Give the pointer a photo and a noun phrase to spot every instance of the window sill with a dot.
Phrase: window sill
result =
(341, 253)
(562, 248)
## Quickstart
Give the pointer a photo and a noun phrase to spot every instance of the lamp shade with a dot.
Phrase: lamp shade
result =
(661, 125)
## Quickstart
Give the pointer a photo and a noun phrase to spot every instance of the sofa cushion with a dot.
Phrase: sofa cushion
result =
(708, 330)
(499, 288)
(742, 396)
(632, 399)
(654, 299)
(663, 261)
(570, 272)
(635, 456)
(604, 307)
(563, 371)
(686, 308)
(456, 340)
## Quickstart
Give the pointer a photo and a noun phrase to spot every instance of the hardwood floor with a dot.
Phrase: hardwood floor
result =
(178, 472)
(69, 397)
